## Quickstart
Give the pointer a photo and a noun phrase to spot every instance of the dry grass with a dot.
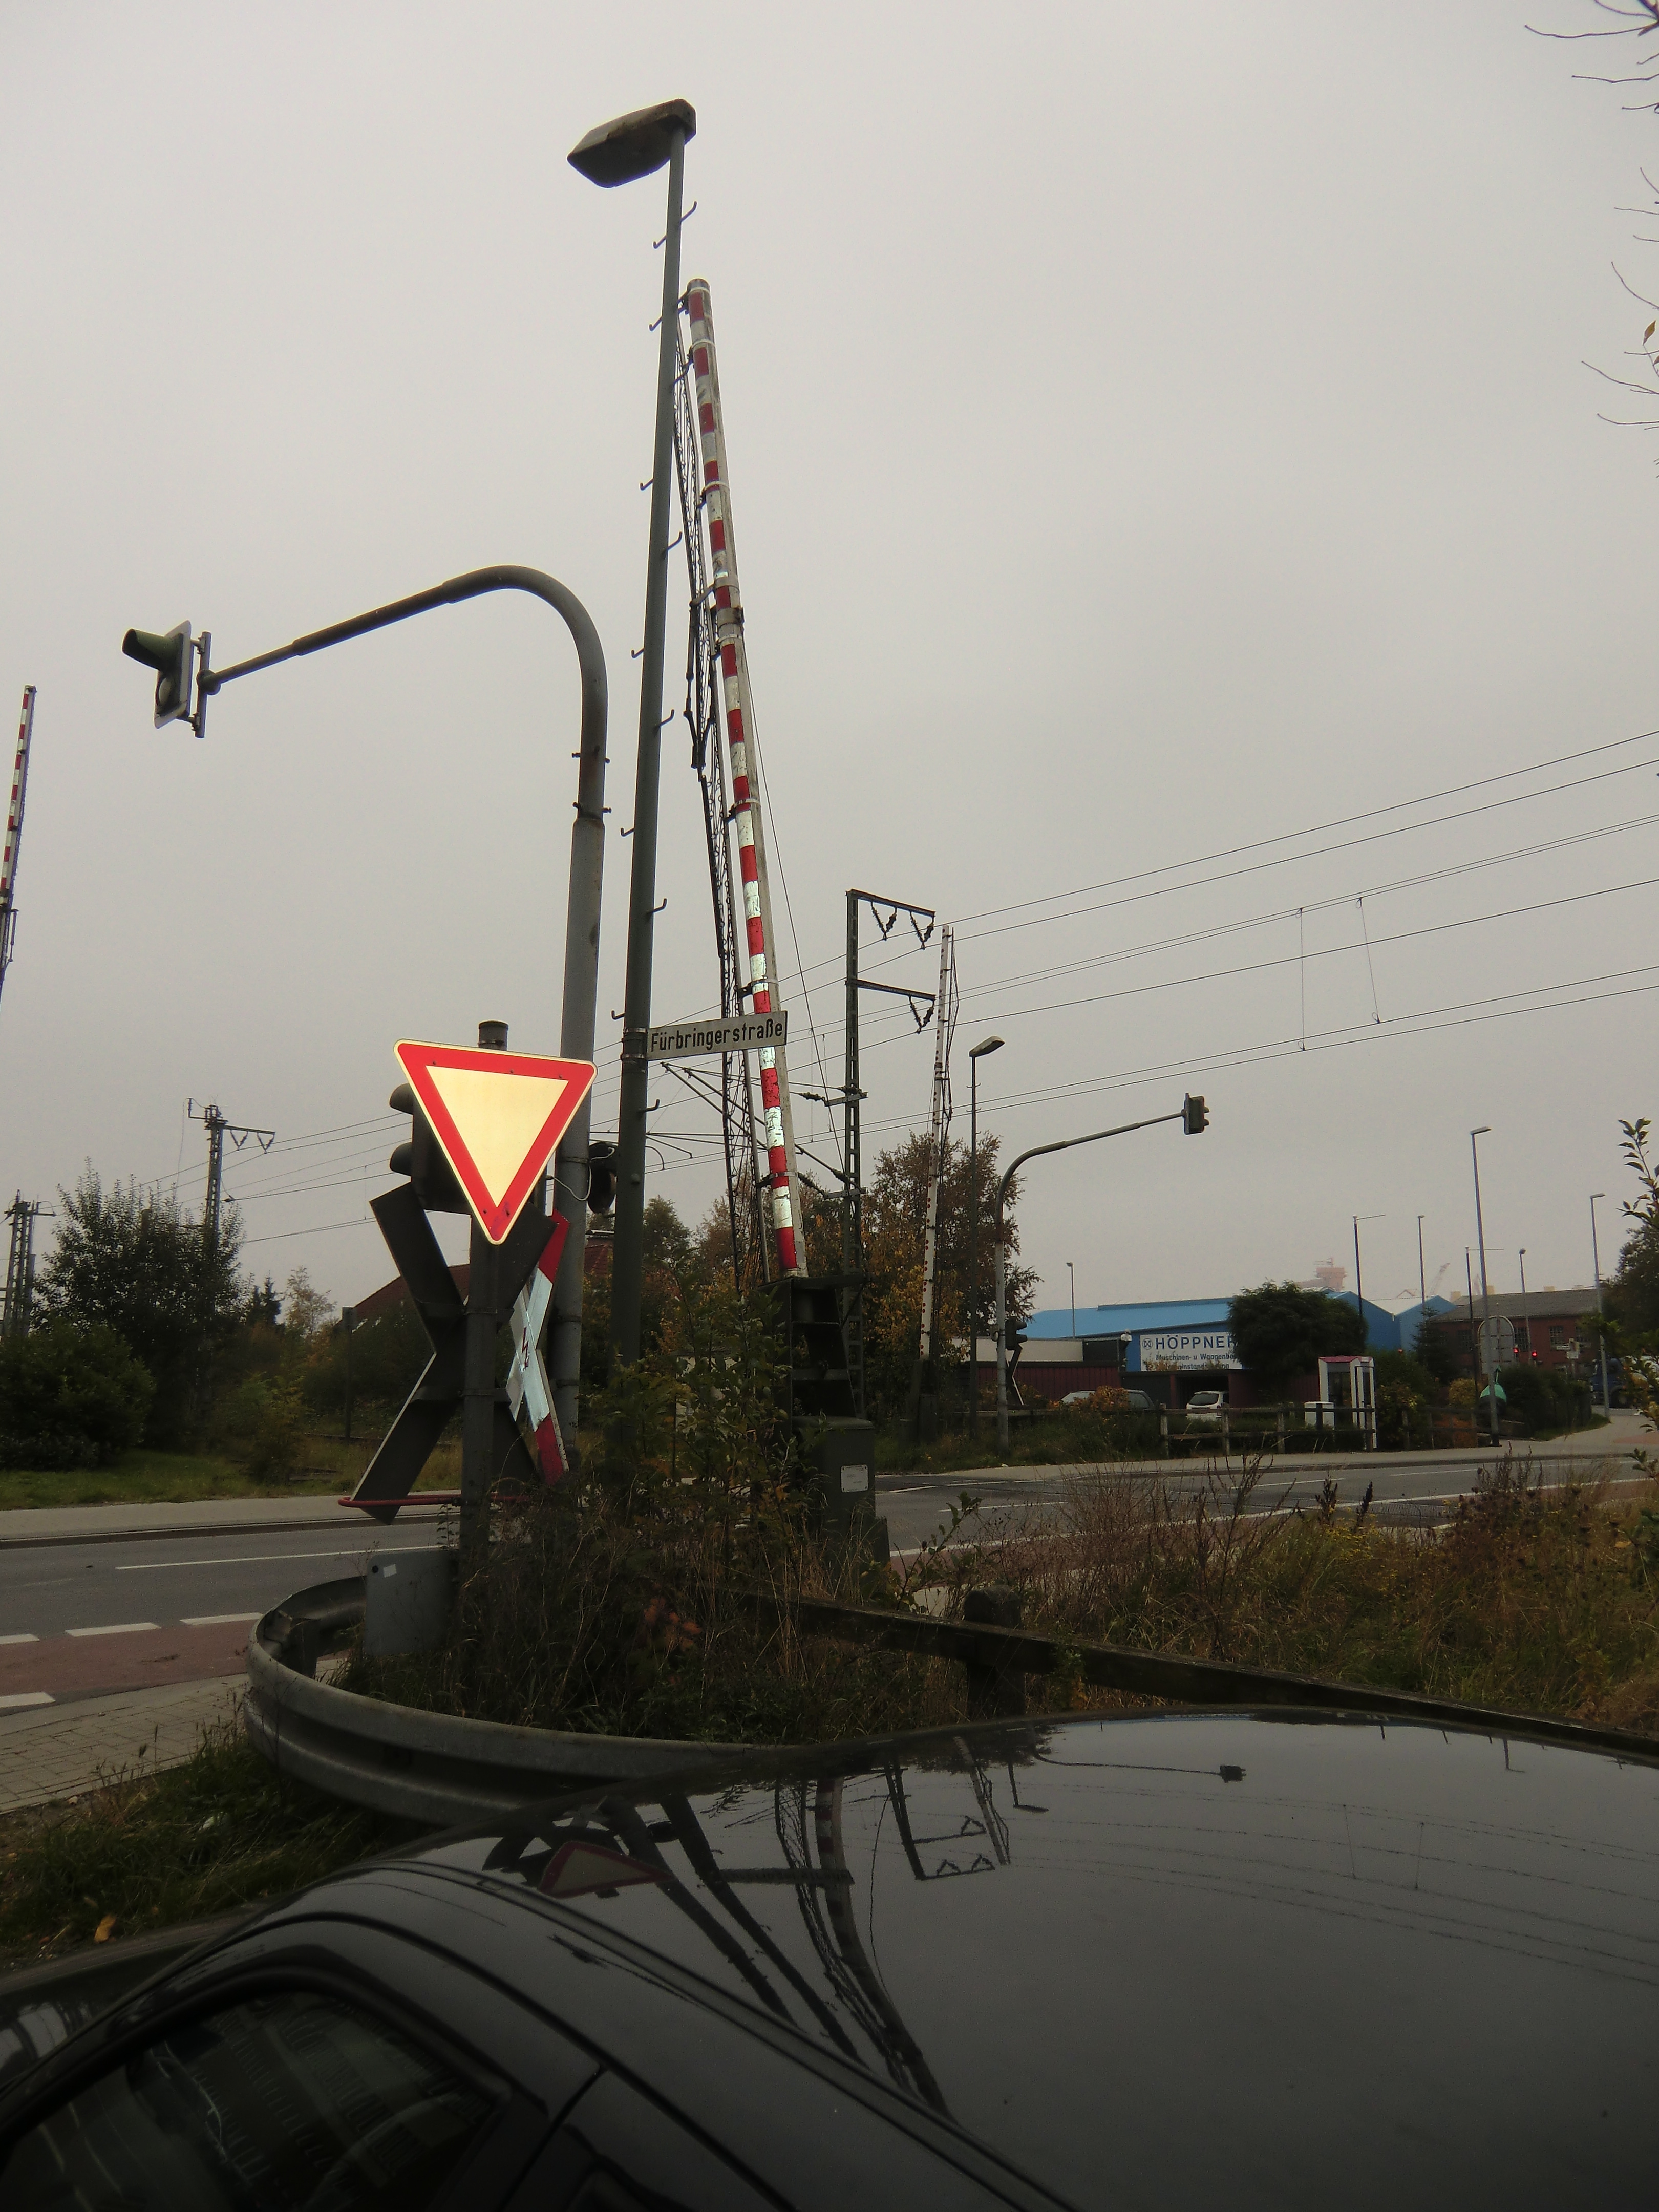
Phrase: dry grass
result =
(1537, 1600)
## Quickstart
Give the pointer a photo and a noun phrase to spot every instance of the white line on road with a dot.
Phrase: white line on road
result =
(29, 1698)
(19, 1639)
(262, 1558)
(115, 1628)
(219, 1620)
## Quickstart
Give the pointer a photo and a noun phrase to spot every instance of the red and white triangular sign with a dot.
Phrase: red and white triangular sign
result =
(498, 1117)
(579, 1868)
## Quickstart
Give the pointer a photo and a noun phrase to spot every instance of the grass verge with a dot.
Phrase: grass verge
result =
(221, 1829)
(144, 1478)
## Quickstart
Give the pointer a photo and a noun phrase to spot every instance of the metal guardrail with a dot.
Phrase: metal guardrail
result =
(438, 1771)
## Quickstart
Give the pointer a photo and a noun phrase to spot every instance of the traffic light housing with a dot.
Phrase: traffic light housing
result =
(422, 1161)
(601, 1177)
(1194, 1115)
(170, 657)
(1013, 1334)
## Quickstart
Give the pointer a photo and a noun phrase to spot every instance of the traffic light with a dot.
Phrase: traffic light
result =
(1194, 1115)
(1013, 1334)
(422, 1161)
(170, 657)
(601, 1177)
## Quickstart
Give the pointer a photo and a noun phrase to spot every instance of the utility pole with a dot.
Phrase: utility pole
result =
(20, 777)
(887, 912)
(1601, 1334)
(1359, 1278)
(1486, 1330)
(925, 1391)
(1422, 1283)
(19, 1265)
(217, 1130)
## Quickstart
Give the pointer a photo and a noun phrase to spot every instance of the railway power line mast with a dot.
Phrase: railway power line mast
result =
(924, 1389)
(217, 1130)
(751, 1247)
(22, 1213)
(728, 672)
(20, 777)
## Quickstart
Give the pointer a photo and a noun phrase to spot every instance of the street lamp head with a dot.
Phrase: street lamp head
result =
(1485, 1130)
(1595, 1194)
(984, 1045)
(633, 145)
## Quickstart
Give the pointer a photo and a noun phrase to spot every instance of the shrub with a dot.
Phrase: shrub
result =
(69, 1398)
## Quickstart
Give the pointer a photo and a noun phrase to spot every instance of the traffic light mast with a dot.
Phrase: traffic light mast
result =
(1194, 1117)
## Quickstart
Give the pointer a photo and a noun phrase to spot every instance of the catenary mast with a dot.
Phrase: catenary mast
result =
(20, 777)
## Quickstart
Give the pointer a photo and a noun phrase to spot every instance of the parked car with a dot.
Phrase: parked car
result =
(1259, 1959)
(1205, 1407)
(1137, 1401)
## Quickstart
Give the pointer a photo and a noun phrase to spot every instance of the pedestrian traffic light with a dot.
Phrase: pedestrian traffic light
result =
(422, 1161)
(1194, 1115)
(601, 1177)
(170, 657)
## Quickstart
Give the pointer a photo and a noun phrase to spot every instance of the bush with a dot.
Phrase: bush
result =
(263, 1425)
(69, 1398)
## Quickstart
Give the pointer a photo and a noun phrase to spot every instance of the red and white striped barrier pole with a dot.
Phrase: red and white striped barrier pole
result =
(20, 777)
(741, 747)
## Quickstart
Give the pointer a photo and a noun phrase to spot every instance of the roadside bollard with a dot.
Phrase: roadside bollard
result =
(1164, 1434)
(996, 1691)
(1226, 1435)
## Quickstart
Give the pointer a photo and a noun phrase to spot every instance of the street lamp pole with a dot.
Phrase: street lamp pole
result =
(1071, 1272)
(615, 153)
(1192, 1114)
(981, 1051)
(1489, 1339)
(1422, 1283)
(1358, 1277)
(1601, 1341)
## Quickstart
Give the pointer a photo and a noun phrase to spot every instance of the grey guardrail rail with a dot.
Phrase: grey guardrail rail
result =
(438, 1771)
(429, 1768)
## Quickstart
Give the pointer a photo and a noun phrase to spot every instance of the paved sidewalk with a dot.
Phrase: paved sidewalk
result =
(49, 1753)
(92, 1524)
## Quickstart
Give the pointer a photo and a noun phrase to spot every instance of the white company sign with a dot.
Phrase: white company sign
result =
(1187, 1347)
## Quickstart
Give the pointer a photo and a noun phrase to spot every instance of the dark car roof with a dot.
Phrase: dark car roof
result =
(1172, 1960)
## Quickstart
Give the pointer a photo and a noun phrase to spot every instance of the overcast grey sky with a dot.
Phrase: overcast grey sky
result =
(1151, 431)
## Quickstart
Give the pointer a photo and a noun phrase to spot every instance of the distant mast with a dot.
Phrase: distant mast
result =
(20, 777)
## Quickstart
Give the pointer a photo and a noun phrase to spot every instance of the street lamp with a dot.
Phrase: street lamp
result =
(1071, 1272)
(1601, 1341)
(1359, 1278)
(1488, 1339)
(1194, 1117)
(984, 1047)
(1422, 1283)
(615, 153)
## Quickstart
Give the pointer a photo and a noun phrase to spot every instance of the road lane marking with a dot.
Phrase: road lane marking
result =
(219, 1620)
(28, 1698)
(264, 1559)
(19, 1639)
(115, 1628)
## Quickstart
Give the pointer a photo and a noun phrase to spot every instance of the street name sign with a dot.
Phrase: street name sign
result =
(498, 1117)
(732, 1033)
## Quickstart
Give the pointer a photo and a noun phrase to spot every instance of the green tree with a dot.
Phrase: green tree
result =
(70, 1397)
(1633, 1293)
(1436, 1352)
(1280, 1331)
(134, 1262)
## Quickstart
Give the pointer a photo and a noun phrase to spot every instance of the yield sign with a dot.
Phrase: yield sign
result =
(528, 1386)
(497, 1116)
(578, 1869)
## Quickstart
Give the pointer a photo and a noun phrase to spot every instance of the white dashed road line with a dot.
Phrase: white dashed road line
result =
(19, 1639)
(115, 1628)
(260, 1558)
(218, 1619)
(28, 1698)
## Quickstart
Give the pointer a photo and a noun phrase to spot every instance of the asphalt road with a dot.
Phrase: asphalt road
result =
(1418, 1486)
(77, 1620)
